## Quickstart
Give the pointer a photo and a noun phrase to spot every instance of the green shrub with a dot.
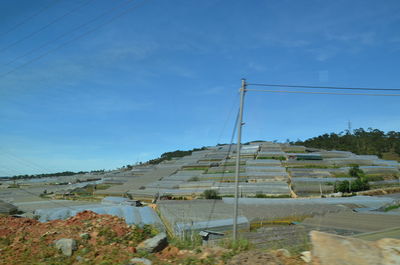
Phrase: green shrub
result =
(356, 172)
(211, 195)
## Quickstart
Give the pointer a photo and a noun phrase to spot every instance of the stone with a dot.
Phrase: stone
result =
(283, 252)
(390, 250)
(334, 250)
(154, 244)
(66, 245)
(140, 261)
(306, 256)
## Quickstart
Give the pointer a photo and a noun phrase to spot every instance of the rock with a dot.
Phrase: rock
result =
(154, 244)
(306, 256)
(140, 261)
(283, 252)
(66, 245)
(131, 249)
(390, 250)
(334, 250)
(337, 194)
(30, 215)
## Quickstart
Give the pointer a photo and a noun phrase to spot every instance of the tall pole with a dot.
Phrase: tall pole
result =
(239, 139)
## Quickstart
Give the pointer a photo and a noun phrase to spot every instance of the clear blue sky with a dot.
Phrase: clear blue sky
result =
(165, 76)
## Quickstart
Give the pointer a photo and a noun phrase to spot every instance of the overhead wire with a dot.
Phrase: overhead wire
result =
(45, 26)
(227, 118)
(24, 161)
(323, 93)
(74, 39)
(223, 168)
(121, 5)
(26, 20)
(325, 87)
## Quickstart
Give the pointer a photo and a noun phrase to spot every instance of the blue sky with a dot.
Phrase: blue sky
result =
(166, 75)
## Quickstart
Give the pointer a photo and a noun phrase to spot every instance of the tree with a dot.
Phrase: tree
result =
(360, 184)
(211, 195)
(356, 172)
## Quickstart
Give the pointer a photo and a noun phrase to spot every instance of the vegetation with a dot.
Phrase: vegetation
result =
(260, 194)
(360, 184)
(14, 185)
(236, 247)
(58, 174)
(170, 155)
(194, 179)
(189, 241)
(392, 207)
(211, 195)
(358, 141)
(282, 158)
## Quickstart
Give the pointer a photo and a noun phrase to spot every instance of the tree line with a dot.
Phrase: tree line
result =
(170, 155)
(358, 141)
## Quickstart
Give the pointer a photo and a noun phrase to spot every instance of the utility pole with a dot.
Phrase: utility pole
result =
(349, 126)
(239, 139)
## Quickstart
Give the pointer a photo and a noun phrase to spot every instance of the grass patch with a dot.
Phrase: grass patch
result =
(195, 168)
(281, 158)
(102, 186)
(392, 207)
(190, 241)
(313, 166)
(269, 196)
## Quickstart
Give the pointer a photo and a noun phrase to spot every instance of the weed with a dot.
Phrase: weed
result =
(392, 207)
(189, 241)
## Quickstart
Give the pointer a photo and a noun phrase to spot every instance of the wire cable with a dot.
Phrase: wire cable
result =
(323, 93)
(223, 169)
(26, 20)
(325, 87)
(68, 32)
(227, 118)
(74, 39)
(45, 26)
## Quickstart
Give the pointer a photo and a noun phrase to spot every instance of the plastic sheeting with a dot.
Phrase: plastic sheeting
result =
(265, 169)
(263, 162)
(7, 208)
(367, 201)
(221, 225)
(132, 215)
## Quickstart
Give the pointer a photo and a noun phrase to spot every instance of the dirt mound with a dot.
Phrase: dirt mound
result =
(101, 238)
(258, 257)
(106, 240)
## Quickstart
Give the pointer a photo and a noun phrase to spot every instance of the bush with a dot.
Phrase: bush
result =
(356, 185)
(356, 172)
(211, 195)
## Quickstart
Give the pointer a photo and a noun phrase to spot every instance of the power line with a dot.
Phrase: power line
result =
(227, 118)
(326, 87)
(45, 26)
(74, 39)
(26, 20)
(225, 161)
(68, 32)
(323, 93)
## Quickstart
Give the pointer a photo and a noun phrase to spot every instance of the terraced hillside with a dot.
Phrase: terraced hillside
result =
(268, 169)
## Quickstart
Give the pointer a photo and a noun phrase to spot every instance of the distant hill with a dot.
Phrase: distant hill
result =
(359, 141)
